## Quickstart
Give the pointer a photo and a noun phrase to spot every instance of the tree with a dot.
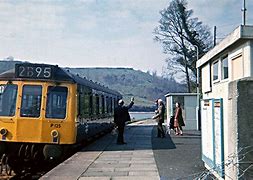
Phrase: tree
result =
(179, 33)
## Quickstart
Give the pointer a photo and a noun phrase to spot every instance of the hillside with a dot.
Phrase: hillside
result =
(129, 82)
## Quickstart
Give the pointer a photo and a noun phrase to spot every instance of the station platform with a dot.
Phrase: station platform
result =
(143, 157)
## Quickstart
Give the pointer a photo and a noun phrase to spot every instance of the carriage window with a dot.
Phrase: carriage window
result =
(31, 101)
(107, 104)
(8, 97)
(114, 103)
(87, 105)
(56, 102)
(91, 105)
(103, 104)
(97, 104)
(110, 104)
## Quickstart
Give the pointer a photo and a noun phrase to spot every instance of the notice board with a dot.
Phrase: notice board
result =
(212, 134)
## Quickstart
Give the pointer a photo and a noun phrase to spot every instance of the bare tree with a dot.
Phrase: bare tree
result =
(178, 33)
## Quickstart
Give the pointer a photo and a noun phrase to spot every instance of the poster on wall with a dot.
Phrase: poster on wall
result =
(212, 134)
(218, 135)
(206, 130)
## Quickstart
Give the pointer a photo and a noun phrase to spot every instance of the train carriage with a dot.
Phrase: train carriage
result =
(47, 107)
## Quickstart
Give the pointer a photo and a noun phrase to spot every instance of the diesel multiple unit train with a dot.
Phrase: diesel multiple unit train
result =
(45, 110)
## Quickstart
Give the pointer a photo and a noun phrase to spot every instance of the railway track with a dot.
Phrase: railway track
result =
(34, 173)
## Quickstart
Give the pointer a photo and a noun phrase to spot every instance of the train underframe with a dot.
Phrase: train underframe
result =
(23, 156)
(20, 157)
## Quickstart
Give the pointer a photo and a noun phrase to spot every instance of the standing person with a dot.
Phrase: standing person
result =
(121, 116)
(178, 121)
(160, 118)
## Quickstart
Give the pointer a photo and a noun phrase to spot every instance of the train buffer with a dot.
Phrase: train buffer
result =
(143, 157)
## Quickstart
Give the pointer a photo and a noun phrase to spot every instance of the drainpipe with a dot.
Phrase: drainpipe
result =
(197, 103)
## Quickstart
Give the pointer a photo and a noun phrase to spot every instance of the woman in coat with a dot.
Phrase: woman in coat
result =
(178, 121)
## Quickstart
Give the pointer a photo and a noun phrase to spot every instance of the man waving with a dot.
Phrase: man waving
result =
(121, 116)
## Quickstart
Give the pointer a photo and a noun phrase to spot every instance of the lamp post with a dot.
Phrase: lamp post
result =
(197, 103)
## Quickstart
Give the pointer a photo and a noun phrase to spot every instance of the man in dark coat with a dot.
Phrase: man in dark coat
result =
(160, 118)
(121, 116)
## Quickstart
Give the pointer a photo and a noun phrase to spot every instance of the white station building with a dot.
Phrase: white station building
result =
(227, 106)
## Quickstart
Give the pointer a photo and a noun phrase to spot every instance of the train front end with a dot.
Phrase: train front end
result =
(37, 111)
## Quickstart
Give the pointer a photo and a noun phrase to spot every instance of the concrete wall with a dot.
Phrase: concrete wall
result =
(232, 131)
(241, 128)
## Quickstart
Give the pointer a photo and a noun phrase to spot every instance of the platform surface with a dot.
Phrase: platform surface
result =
(143, 157)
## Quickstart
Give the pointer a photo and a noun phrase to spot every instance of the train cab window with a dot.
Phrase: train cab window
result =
(56, 102)
(31, 101)
(8, 97)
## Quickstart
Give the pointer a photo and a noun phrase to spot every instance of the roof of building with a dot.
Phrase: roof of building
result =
(241, 32)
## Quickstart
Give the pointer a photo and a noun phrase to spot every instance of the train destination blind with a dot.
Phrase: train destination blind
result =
(34, 71)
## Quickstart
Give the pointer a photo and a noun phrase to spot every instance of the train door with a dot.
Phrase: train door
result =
(28, 125)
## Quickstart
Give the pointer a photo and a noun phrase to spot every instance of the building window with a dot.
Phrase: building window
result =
(206, 78)
(215, 70)
(224, 68)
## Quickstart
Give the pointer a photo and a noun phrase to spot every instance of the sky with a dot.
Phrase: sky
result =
(101, 33)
